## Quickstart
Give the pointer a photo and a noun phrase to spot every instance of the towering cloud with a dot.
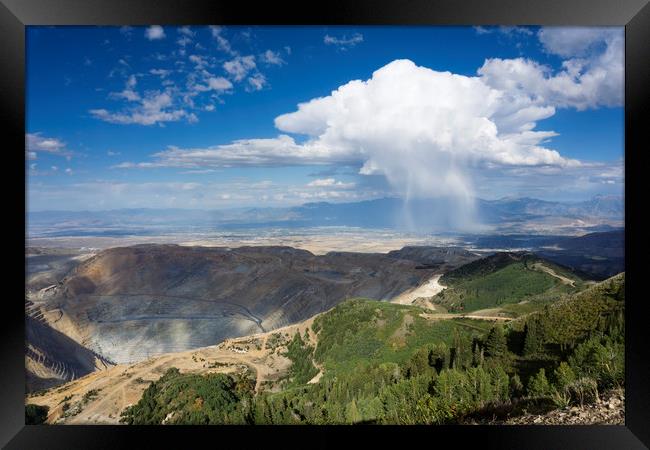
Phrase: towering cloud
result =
(429, 132)
(424, 129)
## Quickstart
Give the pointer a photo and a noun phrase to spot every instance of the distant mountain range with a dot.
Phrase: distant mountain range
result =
(601, 213)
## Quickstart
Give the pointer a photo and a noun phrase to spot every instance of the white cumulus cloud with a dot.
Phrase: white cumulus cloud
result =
(592, 77)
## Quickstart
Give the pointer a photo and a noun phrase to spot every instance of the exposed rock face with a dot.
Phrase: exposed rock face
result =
(442, 258)
(47, 266)
(134, 302)
(51, 357)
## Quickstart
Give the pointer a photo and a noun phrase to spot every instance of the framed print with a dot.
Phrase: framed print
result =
(269, 226)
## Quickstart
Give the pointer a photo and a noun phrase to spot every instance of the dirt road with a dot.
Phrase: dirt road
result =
(552, 273)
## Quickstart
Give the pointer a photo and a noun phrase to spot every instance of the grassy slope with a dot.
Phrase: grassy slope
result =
(569, 321)
(505, 280)
(573, 317)
(364, 332)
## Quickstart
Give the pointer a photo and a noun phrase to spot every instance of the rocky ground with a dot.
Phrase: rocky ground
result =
(608, 410)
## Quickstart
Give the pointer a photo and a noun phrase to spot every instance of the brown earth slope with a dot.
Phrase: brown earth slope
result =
(100, 397)
(132, 303)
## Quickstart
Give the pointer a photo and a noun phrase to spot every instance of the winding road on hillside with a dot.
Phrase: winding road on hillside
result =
(552, 273)
(245, 312)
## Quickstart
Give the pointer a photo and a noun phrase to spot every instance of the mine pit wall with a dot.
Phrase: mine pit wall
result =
(133, 341)
(132, 303)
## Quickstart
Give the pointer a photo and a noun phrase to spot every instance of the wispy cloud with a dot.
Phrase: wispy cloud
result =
(330, 183)
(36, 143)
(126, 30)
(240, 66)
(155, 108)
(110, 194)
(272, 58)
(343, 42)
(154, 32)
(507, 30)
(191, 78)
(272, 152)
(257, 82)
(222, 42)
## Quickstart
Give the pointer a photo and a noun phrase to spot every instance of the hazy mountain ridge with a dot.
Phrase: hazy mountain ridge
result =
(392, 213)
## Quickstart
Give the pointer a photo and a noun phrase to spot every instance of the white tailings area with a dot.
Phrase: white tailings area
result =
(426, 290)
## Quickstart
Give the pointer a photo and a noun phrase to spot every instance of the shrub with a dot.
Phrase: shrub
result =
(602, 359)
(583, 390)
(564, 375)
(516, 386)
(561, 398)
(91, 394)
(35, 414)
(538, 385)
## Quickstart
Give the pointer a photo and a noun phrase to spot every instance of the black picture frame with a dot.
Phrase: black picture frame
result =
(633, 14)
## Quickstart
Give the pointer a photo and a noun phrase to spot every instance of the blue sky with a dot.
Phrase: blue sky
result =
(214, 117)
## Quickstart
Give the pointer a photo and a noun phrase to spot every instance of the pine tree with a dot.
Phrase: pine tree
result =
(538, 385)
(458, 352)
(477, 353)
(564, 375)
(532, 339)
(439, 357)
(352, 414)
(496, 343)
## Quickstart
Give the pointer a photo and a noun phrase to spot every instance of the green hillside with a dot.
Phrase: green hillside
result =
(386, 364)
(363, 332)
(506, 279)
